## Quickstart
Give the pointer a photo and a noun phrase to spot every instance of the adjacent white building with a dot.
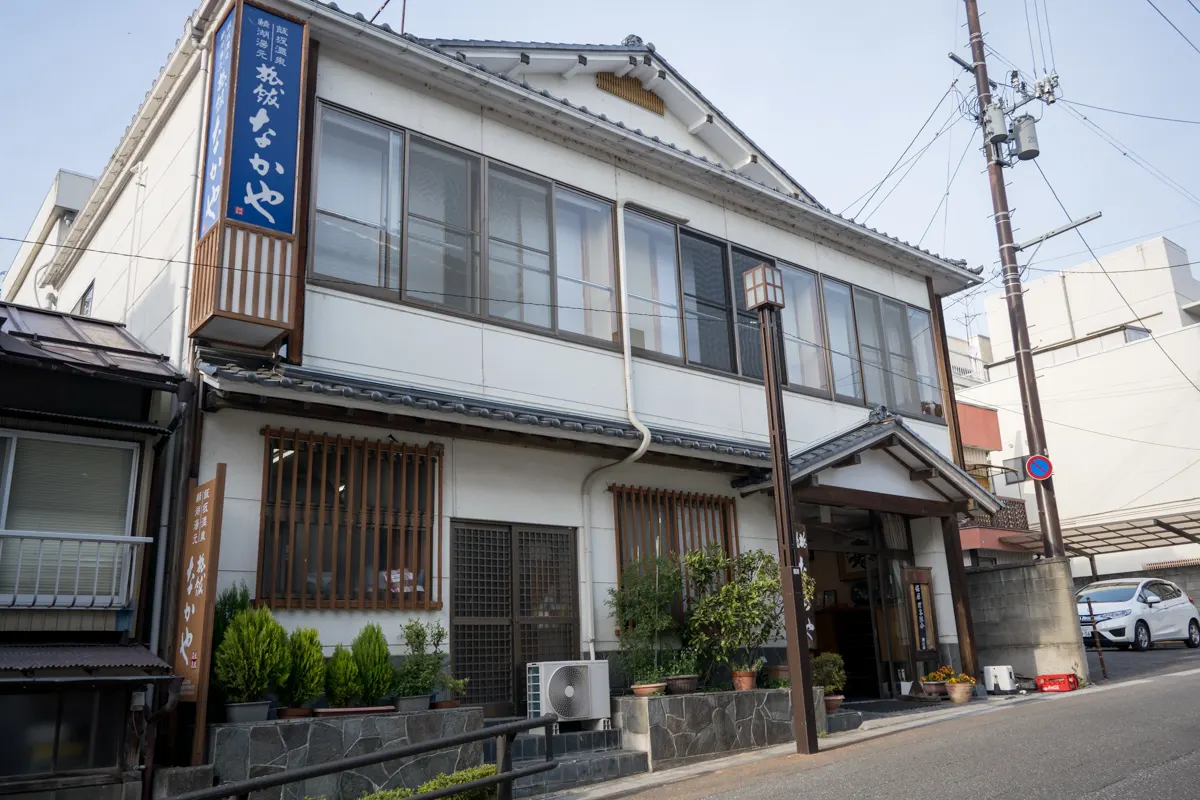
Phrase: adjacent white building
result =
(1118, 360)
(497, 350)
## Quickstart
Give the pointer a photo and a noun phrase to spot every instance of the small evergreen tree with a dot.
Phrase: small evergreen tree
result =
(253, 657)
(307, 677)
(375, 674)
(341, 679)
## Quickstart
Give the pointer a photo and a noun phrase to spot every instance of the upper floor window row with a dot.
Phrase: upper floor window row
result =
(401, 215)
(398, 215)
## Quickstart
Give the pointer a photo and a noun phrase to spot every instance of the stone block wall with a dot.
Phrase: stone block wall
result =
(683, 729)
(250, 749)
(1025, 617)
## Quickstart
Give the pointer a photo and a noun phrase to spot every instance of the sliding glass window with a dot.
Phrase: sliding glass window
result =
(803, 334)
(928, 386)
(652, 291)
(896, 342)
(356, 232)
(707, 310)
(583, 259)
(843, 340)
(443, 225)
(749, 341)
(518, 280)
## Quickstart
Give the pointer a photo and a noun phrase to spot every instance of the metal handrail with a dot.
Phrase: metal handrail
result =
(504, 777)
(121, 582)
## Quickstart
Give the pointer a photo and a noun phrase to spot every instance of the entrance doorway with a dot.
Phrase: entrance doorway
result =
(859, 610)
(514, 600)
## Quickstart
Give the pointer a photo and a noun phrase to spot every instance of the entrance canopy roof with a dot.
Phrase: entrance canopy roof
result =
(1122, 536)
(890, 456)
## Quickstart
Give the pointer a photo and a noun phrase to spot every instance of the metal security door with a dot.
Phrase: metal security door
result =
(514, 591)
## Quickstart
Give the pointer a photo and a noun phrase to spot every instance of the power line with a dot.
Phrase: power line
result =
(1139, 238)
(1131, 113)
(1113, 271)
(1173, 25)
(948, 125)
(1116, 288)
(1195, 7)
(946, 195)
(1029, 30)
(913, 141)
(1050, 35)
(1167, 480)
(1041, 43)
(1011, 409)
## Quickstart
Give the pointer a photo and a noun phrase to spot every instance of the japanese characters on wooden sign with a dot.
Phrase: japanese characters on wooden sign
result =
(265, 132)
(197, 587)
(920, 596)
(218, 116)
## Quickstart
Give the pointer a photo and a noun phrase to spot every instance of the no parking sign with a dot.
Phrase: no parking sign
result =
(1039, 468)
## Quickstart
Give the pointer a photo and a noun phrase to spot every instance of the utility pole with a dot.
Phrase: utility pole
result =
(991, 116)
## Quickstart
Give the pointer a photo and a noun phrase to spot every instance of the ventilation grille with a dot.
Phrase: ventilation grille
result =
(567, 694)
(631, 89)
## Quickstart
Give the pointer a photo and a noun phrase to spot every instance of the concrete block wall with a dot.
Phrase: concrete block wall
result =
(1025, 617)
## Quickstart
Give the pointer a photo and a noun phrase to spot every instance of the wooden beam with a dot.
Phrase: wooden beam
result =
(807, 482)
(580, 63)
(875, 501)
(883, 444)
(941, 355)
(952, 542)
(923, 474)
(1182, 534)
(849, 461)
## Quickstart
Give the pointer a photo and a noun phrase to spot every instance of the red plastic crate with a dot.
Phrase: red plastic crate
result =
(1057, 683)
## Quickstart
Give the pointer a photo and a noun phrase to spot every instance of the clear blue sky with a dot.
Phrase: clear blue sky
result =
(832, 90)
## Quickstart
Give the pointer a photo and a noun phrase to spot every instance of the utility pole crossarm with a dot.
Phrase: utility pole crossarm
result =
(1070, 226)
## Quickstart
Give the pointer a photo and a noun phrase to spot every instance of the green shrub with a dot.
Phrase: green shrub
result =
(230, 603)
(419, 671)
(463, 776)
(389, 794)
(829, 670)
(642, 607)
(375, 674)
(306, 679)
(731, 620)
(341, 679)
(253, 657)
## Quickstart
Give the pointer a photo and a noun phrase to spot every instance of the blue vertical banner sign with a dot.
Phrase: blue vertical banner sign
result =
(218, 118)
(265, 129)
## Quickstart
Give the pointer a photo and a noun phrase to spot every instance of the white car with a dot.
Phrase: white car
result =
(1136, 612)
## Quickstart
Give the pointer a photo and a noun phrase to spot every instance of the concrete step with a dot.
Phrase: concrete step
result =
(529, 745)
(842, 721)
(581, 769)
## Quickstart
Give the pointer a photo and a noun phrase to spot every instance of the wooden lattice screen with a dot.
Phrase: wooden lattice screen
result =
(349, 523)
(657, 521)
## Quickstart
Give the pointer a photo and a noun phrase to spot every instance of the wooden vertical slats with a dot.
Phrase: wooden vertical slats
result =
(375, 547)
(437, 532)
(264, 514)
(618, 497)
(308, 440)
(291, 550)
(737, 536)
(403, 516)
(351, 486)
(335, 544)
(389, 518)
(322, 510)
(278, 504)
(427, 519)
(414, 532)
(362, 526)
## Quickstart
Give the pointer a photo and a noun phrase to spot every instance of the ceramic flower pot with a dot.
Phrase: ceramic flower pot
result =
(442, 704)
(247, 712)
(934, 688)
(647, 689)
(745, 681)
(683, 684)
(778, 672)
(295, 713)
(960, 692)
(417, 702)
(833, 702)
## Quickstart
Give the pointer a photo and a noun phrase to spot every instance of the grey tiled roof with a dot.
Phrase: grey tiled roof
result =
(442, 45)
(307, 381)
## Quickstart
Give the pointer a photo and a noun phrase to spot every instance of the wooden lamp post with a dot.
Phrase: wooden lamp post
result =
(764, 294)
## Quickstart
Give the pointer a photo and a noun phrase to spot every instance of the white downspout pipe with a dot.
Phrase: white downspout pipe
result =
(178, 352)
(588, 604)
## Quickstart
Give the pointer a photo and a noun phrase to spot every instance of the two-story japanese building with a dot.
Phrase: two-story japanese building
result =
(469, 333)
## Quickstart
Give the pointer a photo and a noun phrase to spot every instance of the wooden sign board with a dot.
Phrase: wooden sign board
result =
(919, 581)
(197, 595)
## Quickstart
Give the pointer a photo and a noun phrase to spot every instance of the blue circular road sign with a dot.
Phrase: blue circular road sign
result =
(1039, 468)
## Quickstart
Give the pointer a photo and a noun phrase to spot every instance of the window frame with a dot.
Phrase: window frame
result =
(826, 355)
(856, 355)
(83, 306)
(731, 309)
(14, 434)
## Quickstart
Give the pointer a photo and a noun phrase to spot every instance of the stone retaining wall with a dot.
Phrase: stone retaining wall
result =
(251, 749)
(683, 729)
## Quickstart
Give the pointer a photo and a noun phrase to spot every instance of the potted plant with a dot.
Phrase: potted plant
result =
(642, 606)
(251, 661)
(376, 678)
(417, 674)
(934, 683)
(683, 677)
(960, 688)
(778, 674)
(306, 677)
(737, 608)
(454, 689)
(341, 683)
(829, 670)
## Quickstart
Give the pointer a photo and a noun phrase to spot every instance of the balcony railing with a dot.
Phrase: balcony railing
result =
(1010, 517)
(67, 570)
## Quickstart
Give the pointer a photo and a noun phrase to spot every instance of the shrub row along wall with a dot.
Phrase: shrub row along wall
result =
(682, 729)
(247, 750)
(1025, 617)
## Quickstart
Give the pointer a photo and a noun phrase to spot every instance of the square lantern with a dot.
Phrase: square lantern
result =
(764, 286)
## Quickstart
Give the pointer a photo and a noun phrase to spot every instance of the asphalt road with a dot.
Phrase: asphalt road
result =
(1126, 664)
(1121, 741)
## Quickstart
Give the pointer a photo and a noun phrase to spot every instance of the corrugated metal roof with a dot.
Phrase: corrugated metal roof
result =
(29, 657)
(93, 346)
(1176, 564)
(306, 381)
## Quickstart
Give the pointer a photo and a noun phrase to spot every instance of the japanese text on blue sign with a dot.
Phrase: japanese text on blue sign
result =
(218, 114)
(266, 125)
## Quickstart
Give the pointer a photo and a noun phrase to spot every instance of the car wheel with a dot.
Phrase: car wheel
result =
(1141, 637)
(1193, 639)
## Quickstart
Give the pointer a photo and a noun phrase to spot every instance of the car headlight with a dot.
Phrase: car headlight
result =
(1086, 619)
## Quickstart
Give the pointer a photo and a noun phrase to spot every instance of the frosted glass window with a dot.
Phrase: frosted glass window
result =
(583, 258)
(443, 225)
(356, 234)
(653, 292)
(519, 247)
(803, 337)
(707, 309)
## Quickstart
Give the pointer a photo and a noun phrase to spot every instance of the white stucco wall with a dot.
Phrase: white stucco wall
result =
(929, 550)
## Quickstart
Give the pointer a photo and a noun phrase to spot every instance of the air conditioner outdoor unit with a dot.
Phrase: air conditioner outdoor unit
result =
(571, 689)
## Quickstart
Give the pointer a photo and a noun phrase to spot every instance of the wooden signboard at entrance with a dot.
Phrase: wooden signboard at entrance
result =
(919, 581)
(197, 593)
